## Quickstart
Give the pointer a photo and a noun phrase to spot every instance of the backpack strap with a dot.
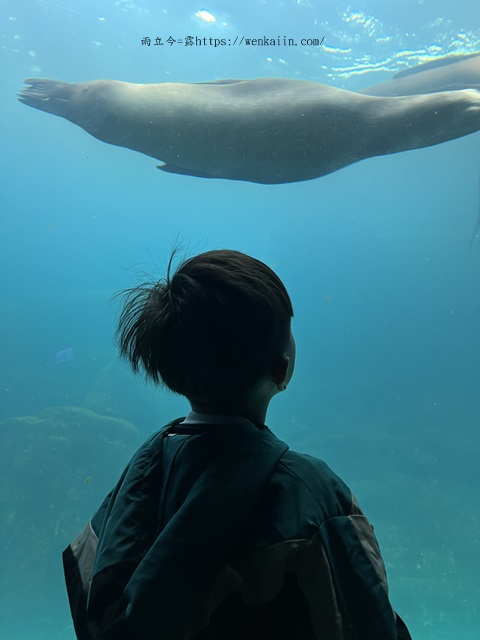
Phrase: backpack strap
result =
(78, 559)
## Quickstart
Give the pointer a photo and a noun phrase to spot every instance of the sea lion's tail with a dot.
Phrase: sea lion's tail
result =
(52, 96)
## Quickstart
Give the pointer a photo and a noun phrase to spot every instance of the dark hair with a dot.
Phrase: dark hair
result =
(210, 330)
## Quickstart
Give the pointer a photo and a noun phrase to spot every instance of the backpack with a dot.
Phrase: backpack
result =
(247, 457)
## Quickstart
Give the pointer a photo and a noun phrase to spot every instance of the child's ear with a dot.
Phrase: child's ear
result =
(279, 372)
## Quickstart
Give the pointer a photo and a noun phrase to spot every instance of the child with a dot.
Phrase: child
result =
(216, 531)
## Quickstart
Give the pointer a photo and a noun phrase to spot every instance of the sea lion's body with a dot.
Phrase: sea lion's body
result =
(266, 130)
(442, 74)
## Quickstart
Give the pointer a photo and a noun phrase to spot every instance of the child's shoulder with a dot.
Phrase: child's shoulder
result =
(313, 482)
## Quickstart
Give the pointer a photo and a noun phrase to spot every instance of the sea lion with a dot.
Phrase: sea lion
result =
(449, 73)
(268, 131)
(476, 229)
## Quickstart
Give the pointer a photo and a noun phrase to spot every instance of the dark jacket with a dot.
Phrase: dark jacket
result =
(219, 532)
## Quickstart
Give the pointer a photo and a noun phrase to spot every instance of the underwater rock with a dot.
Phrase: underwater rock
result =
(55, 469)
(115, 392)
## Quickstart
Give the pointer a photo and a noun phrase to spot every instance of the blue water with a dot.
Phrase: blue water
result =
(376, 258)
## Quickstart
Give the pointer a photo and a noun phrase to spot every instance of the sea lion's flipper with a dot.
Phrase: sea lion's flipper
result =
(171, 168)
(477, 224)
(47, 95)
(433, 64)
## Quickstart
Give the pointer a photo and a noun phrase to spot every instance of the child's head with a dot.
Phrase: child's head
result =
(211, 330)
